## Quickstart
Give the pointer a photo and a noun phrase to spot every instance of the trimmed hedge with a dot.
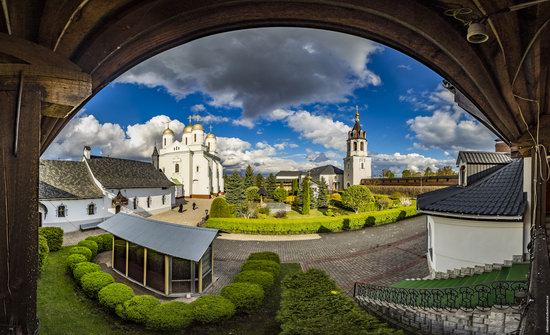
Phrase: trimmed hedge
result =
(138, 308)
(54, 236)
(170, 316)
(83, 268)
(92, 245)
(74, 259)
(264, 256)
(82, 251)
(259, 265)
(312, 304)
(107, 241)
(93, 282)
(43, 251)
(220, 208)
(115, 294)
(411, 191)
(246, 297)
(212, 309)
(262, 278)
(310, 225)
(98, 240)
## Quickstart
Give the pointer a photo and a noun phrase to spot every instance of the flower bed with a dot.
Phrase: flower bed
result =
(311, 225)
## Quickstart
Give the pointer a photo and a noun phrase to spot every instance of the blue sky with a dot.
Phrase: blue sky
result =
(280, 98)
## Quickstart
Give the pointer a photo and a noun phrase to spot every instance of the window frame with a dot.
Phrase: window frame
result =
(61, 209)
(93, 208)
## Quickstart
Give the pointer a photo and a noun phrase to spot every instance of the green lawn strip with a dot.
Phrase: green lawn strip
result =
(518, 271)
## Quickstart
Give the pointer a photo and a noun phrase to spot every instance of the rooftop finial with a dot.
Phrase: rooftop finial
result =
(190, 118)
(356, 113)
(210, 127)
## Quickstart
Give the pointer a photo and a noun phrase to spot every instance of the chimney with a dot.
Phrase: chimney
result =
(500, 146)
(87, 152)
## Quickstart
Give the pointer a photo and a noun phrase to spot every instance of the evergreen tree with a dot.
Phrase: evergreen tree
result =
(271, 184)
(248, 177)
(234, 190)
(322, 197)
(295, 187)
(306, 195)
(260, 181)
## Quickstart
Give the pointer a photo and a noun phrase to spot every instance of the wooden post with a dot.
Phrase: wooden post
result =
(166, 275)
(144, 266)
(127, 252)
(19, 155)
(113, 253)
(200, 276)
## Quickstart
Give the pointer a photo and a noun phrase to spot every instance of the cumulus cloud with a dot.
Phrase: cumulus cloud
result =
(211, 118)
(198, 108)
(447, 127)
(247, 69)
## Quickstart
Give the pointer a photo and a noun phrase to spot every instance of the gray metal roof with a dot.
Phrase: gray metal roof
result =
(315, 173)
(499, 194)
(483, 157)
(289, 173)
(66, 180)
(168, 238)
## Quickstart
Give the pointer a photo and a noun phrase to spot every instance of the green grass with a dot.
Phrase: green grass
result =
(64, 309)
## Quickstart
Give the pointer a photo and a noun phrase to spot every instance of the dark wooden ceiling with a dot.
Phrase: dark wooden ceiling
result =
(104, 38)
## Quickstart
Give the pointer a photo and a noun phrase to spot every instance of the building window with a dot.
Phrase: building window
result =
(195, 137)
(61, 211)
(148, 202)
(362, 146)
(91, 209)
(186, 141)
(135, 202)
(163, 199)
(177, 168)
(362, 165)
(197, 168)
(208, 146)
(354, 146)
(164, 142)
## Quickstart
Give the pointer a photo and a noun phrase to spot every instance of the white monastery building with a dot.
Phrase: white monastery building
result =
(357, 164)
(191, 163)
(77, 195)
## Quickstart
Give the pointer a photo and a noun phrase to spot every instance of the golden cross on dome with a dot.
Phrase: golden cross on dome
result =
(190, 118)
(356, 113)
(210, 128)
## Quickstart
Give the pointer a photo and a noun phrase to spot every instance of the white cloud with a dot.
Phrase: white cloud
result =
(244, 122)
(397, 162)
(404, 67)
(198, 108)
(260, 70)
(210, 118)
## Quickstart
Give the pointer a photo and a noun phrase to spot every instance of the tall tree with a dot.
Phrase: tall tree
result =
(248, 177)
(357, 197)
(271, 184)
(322, 196)
(387, 173)
(280, 194)
(260, 180)
(306, 195)
(446, 171)
(429, 172)
(295, 186)
(406, 173)
(234, 190)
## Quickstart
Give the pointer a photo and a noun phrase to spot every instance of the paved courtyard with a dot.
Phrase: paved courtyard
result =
(189, 216)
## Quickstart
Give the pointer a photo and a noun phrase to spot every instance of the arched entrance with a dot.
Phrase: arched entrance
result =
(53, 58)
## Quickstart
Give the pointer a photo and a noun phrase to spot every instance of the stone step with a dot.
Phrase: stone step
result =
(478, 269)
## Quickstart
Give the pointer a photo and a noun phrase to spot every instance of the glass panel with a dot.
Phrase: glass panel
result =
(135, 262)
(120, 255)
(181, 269)
(206, 280)
(207, 261)
(155, 270)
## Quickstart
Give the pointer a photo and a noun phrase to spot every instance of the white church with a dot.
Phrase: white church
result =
(357, 164)
(191, 163)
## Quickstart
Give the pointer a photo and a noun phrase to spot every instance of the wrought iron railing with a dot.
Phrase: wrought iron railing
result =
(498, 294)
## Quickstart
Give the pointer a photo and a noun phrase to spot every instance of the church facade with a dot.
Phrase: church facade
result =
(191, 162)
(357, 164)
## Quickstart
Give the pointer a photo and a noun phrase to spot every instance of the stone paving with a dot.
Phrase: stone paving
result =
(189, 216)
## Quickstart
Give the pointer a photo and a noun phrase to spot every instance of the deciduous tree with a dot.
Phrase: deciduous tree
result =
(280, 194)
(357, 197)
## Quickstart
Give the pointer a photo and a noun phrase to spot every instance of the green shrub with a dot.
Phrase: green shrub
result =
(107, 241)
(138, 308)
(83, 268)
(90, 245)
(82, 251)
(262, 278)
(54, 236)
(170, 316)
(115, 294)
(212, 309)
(311, 225)
(264, 256)
(74, 259)
(93, 282)
(43, 251)
(312, 304)
(246, 297)
(263, 210)
(259, 265)
(99, 241)
(220, 208)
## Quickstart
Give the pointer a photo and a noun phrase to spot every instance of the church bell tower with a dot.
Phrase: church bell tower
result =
(357, 164)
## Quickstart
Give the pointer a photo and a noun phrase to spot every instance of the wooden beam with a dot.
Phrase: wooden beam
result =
(200, 276)
(166, 275)
(144, 266)
(127, 252)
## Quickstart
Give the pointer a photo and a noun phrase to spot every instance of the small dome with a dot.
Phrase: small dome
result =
(168, 131)
(210, 136)
(197, 126)
(187, 129)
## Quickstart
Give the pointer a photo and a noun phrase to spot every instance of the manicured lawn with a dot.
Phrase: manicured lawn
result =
(63, 309)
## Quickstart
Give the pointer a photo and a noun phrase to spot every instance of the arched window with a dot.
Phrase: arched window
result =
(195, 137)
(91, 209)
(362, 146)
(135, 202)
(163, 199)
(61, 211)
(177, 168)
(186, 141)
(148, 202)
(362, 165)
(197, 168)
(208, 146)
(354, 146)
(164, 142)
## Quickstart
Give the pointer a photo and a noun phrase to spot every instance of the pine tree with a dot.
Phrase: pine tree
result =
(271, 184)
(295, 187)
(234, 190)
(322, 197)
(260, 181)
(248, 177)
(306, 196)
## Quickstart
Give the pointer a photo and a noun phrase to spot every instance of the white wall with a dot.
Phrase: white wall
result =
(460, 243)
(142, 194)
(77, 213)
(330, 179)
(527, 215)
(356, 168)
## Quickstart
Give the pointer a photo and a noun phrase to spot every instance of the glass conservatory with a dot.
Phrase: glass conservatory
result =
(166, 258)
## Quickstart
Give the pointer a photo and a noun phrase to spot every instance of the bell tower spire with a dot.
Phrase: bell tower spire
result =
(357, 164)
